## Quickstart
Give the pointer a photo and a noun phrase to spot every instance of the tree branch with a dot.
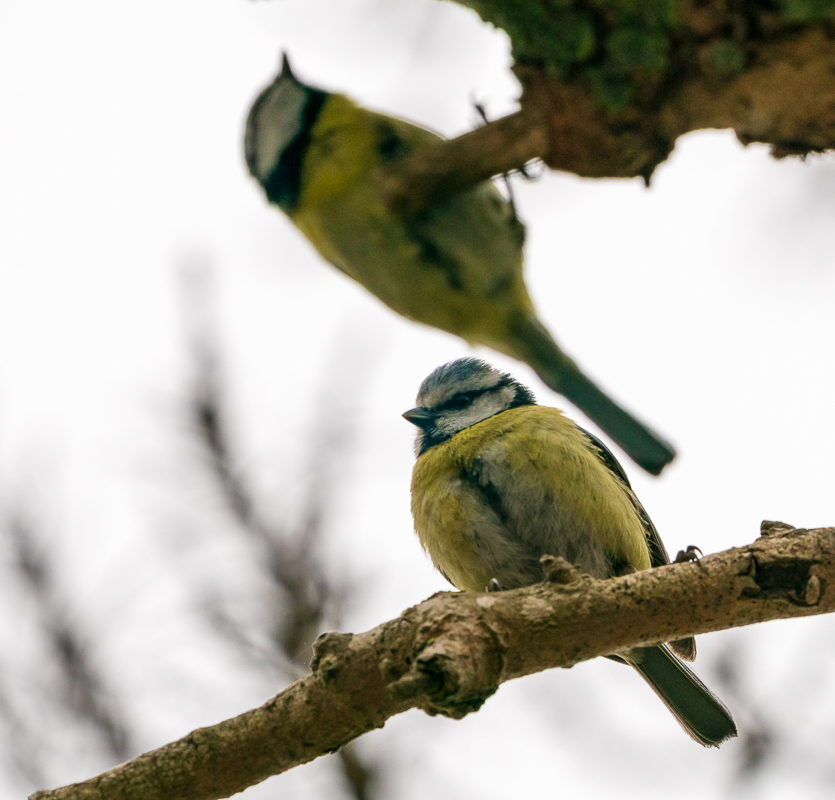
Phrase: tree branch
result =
(451, 652)
(418, 180)
(617, 110)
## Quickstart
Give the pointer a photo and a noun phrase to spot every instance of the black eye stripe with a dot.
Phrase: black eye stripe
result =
(432, 435)
(472, 394)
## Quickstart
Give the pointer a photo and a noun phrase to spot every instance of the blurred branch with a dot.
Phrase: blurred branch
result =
(21, 747)
(608, 87)
(81, 690)
(424, 177)
(289, 560)
(759, 739)
(451, 652)
(292, 563)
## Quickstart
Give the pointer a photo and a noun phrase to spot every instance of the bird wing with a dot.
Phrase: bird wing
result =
(532, 468)
(684, 648)
(473, 237)
(657, 551)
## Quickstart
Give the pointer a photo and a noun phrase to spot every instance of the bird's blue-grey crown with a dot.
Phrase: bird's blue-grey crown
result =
(278, 133)
(460, 394)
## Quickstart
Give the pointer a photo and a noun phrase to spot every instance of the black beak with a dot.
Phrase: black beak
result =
(421, 417)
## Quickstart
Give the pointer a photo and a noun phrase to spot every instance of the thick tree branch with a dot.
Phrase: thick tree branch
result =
(451, 652)
(612, 101)
(786, 98)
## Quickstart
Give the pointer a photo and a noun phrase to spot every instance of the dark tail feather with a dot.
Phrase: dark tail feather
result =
(700, 712)
(534, 345)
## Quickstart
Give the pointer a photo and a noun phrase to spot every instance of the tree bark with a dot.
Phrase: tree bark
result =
(608, 87)
(451, 652)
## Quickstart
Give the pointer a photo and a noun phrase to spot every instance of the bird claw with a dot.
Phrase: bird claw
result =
(688, 555)
(494, 586)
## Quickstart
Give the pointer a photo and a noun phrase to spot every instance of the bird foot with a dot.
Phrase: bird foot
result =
(688, 555)
(494, 586)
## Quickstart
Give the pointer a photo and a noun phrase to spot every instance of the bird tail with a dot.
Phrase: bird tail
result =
(700, 712)
(531, 342)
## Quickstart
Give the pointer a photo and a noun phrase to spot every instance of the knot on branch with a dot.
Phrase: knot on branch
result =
(557, 570)
(794, 580)
(460, 661)
(330, 652)
(770, 527)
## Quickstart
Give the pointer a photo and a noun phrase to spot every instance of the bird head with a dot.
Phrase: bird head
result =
(277, 135)
(461, 394)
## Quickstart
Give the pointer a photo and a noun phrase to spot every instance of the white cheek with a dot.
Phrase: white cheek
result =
(451, 423)
(490, 404)
(482, 408)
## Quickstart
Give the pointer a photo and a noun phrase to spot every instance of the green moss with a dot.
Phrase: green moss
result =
(630, 50)
(806, 10)
(554, 32)
(652, 13)
(614, 44)
(727, 58)
(611, 93)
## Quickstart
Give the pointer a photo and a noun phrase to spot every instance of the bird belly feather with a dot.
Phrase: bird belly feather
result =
(496, 497)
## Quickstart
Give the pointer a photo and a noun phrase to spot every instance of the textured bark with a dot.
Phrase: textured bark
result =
(451, 652)
(786, 98)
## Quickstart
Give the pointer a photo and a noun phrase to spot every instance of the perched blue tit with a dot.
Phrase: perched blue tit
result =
(501, 481)
(457, 266)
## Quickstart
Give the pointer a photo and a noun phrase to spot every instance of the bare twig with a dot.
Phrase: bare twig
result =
(293, 565)
(21, 746)
(82, 691)
(450, 653)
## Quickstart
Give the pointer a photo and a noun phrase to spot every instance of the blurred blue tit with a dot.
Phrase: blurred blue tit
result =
(501, 481)
(457, 266)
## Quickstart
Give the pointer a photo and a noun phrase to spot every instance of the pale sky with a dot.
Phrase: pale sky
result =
(703, 303)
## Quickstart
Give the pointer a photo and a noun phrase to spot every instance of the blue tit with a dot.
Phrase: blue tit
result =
(457, 266)
(501, 481)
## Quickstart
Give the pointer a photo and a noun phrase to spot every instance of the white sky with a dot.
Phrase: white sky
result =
(703, 303)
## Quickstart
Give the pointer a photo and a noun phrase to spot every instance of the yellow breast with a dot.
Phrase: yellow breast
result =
(490, 501)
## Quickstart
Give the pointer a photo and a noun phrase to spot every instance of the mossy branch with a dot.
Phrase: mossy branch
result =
(451, 652)
(626, 85)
